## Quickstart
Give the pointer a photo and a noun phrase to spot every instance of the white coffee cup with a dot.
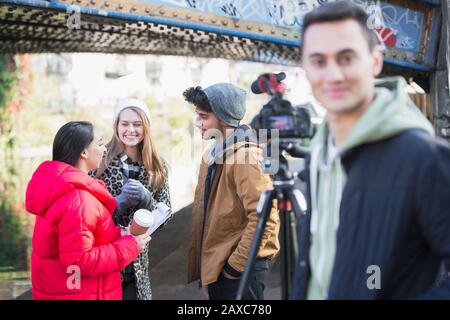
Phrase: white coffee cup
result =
(142, 220)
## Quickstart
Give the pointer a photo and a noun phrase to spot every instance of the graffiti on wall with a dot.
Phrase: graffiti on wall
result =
(286, 13)
(397, 27)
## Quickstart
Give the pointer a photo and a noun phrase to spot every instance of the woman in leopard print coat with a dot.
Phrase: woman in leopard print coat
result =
(131, 155)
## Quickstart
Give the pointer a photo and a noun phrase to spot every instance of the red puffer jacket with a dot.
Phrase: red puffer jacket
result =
(77, 250)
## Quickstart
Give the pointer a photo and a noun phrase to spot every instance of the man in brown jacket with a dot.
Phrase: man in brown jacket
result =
(229, 186)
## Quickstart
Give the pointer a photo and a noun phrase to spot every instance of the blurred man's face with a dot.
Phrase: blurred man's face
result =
(208, 124)
(339, 65)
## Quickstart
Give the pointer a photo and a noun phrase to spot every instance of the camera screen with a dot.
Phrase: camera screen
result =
(281, 122)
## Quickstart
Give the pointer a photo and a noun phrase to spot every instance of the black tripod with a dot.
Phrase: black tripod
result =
(291, 203)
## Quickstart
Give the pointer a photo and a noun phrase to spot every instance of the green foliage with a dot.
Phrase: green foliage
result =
(13, 245)
(8, 77)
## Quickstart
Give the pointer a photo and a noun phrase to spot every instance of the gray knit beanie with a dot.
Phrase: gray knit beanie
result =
(227, 102)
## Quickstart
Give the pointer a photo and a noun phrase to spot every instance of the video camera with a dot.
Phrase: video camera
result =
(279, 114)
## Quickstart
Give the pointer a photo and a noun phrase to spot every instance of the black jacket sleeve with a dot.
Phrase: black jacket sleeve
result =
(432, 202)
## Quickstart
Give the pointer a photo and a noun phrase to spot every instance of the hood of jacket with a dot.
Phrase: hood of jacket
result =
(241, 136)
(54, 179)
(391, 112)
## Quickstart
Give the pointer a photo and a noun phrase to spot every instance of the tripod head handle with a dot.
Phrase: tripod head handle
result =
(296, 151)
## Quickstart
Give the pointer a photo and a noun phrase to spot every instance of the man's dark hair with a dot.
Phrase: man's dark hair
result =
(198, 98)
(70, 141)
(339, 11)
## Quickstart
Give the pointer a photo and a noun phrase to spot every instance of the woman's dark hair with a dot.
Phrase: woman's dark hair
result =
(70, 141)
(339, 11)
(198, 98)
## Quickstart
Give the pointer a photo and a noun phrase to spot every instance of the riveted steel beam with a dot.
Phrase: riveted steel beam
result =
(410, 30)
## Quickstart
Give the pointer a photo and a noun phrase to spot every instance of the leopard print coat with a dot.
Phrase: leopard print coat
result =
(114, 180)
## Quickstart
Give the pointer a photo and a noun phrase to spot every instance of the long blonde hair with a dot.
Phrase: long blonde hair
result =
(148, 156)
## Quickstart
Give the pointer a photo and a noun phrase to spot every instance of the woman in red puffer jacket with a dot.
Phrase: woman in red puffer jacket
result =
(78, 252)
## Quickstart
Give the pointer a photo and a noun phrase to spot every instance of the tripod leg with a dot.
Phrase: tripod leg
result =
(299, 207)
(294, 238)
(263, 209)
(284, 252)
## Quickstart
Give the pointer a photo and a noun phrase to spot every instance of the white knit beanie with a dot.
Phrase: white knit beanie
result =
(128, 103)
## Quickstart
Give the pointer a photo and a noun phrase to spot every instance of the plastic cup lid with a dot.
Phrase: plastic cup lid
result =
(143, 217)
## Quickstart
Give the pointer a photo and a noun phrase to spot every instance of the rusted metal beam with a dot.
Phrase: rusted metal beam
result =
(264, 31)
